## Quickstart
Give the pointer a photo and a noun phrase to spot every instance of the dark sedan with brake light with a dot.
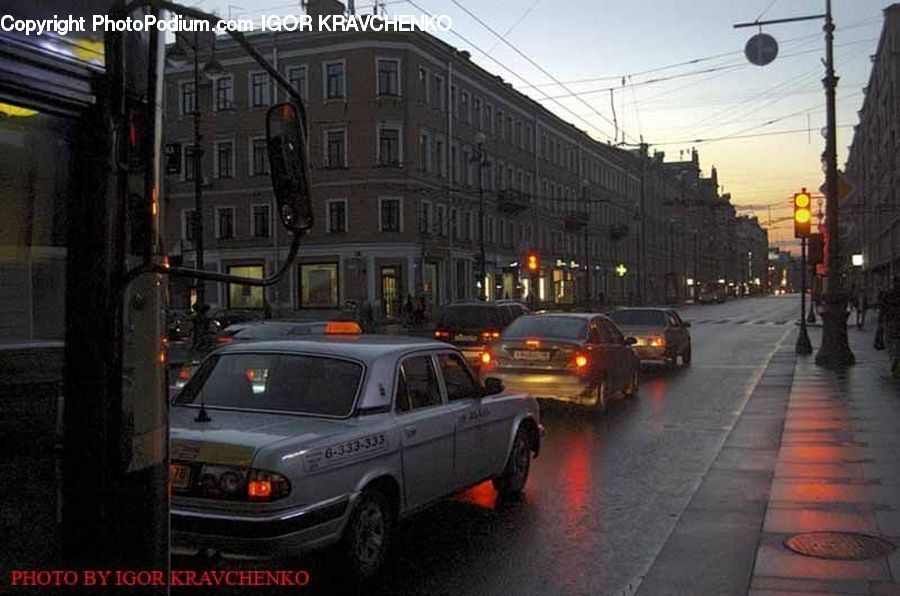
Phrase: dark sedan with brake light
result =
(471, 325)
(578, 358)
(661, 334)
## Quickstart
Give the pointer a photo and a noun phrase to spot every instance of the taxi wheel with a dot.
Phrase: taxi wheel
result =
(512, 481)
(368, 534)
(686, 357)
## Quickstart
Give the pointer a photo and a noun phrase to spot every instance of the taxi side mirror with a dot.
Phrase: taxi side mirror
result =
(687, 323)
(289, 166)
(492, 386)
(630, 341)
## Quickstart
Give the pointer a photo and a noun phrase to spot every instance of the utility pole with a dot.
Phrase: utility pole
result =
(804, 346)
(642, 244)
(589, 297)
(482, 162)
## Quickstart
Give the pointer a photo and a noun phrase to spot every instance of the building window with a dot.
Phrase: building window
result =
(464, 106)
(425, 152)
(466, 226)
(422, 86)
(318, 285)
(389, 151)
(454, 109)
(190, 163)
(336, 216)
(440, 224)
(489, 117)
(528, 137)
(390, 215)
(259, 89)
(476, 113)
(425, 217)
(518, 134)
(188, 231)
(261, 221)
(259, 157)
(440, 158)
(187, 98)
(224, 223)
(437, 93)
(225, 159)
(454, 223)
(498, 127)
(224, 93)
(336, 148)
(298, 80)
(334, 80)
(246, 297)
(388, 77)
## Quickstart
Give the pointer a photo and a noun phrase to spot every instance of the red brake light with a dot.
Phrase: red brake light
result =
(581, 361)
(486, 357)
(225, 339)
(440, 333)
(259, 489)
(489, 335)
(532, 343)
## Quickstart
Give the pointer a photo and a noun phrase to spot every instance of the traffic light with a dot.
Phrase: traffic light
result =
(532, 262)
(802, 214)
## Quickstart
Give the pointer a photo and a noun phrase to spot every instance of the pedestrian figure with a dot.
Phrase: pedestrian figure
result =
(408, 310)
(890, 323)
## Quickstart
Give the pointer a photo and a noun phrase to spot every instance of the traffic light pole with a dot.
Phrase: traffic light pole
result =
(804, 346)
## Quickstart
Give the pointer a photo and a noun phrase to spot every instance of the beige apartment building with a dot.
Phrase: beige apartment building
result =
(407, 137)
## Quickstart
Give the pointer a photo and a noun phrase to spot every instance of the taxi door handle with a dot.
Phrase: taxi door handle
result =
(410, 430)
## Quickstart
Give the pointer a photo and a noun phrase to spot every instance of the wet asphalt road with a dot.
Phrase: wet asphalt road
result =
(605, 492)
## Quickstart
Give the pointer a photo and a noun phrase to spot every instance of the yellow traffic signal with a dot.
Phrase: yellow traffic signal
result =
(533, 263)
(802, 214)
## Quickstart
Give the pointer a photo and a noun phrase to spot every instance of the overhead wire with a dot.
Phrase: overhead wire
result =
(533, 62)
(513, 72)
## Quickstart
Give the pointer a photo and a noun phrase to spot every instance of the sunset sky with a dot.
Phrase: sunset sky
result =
(711, 91)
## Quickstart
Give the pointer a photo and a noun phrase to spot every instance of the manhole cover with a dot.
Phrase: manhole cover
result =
(839, 545)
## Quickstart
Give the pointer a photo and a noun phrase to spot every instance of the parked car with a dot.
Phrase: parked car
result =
(580, 358)
(280, 447)
(472, 325)
(662, 336)
(710, 293)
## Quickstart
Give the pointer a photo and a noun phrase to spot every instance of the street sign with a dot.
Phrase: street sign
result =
(761, 49)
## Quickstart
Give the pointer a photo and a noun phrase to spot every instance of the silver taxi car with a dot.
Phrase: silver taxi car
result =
(280, 447)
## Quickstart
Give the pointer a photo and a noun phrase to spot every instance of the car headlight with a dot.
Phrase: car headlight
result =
(656, 342)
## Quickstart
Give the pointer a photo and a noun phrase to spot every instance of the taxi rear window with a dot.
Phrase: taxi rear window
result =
(296, 383)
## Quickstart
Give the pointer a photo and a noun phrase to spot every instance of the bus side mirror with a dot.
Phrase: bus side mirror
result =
(286, 144)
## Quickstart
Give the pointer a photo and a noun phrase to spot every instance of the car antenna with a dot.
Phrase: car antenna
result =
(202, 415)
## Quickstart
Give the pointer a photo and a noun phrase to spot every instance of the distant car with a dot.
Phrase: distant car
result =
(279, 447)
(662, 336)
(710, 293)
(515, 308)
(580, 358)
(472, 325)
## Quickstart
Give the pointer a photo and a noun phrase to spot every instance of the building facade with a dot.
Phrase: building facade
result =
(870, 214)
(419, 159)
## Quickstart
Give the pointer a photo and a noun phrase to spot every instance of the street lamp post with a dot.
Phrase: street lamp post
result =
(835, 350)
(587, 250)
(176, 56)
(481, 159)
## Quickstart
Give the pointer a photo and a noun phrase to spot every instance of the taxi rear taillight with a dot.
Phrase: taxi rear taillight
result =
(441, 334)
(581, 361)
(230, 483)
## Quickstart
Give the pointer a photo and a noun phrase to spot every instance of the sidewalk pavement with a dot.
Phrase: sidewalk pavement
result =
(837, 469)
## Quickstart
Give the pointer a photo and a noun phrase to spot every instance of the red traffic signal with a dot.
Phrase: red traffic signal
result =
(802, 214)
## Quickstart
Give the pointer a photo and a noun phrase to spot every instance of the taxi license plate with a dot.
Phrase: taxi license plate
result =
(461, 337)
(531, 355)
(179, 476)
